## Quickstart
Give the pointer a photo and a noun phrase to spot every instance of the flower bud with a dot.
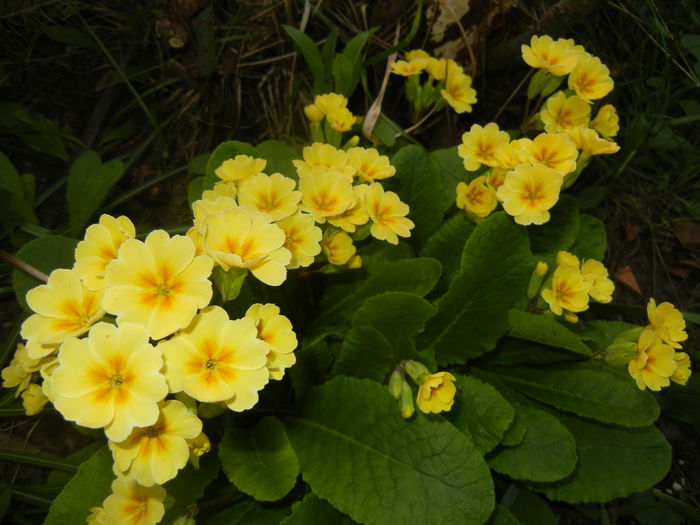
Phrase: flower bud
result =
(406, 403)
(536, 279)
(396, 384)
(416, 371)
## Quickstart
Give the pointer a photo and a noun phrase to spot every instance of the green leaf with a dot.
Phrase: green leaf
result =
(515, 433)
(189, 485)
(45, 254)
(531, 509)
(88, 488)
(511, 352)
(343, 74)
(5, 497)
(70, 35)
(279, 158)
(591, 241)
(224, 151)
(560, 232)
(357, 452)
(89, 181)
(452, 170)
(313, 509)
(599, 332)
(481, 412)
(10, 180)
(544, 329)
(589, 389)
(502, 516)
(312, 56)
(353, 52)
(195, 189)
(365, 354)
(546, 453)
(418, 183)
(689, 512)
(494, 272)
(260, 461)
(386, 130)
(229, 282)
(36, 131)
(613, 462)
(249, 513)
(198, 165)
(447, 242)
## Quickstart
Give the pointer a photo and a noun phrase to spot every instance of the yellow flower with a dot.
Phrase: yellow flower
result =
(240, 168)
(387, 213)
(159, 284)
(323, 156)
(326, 193)
(19, 372)
(478, 145)
(437, 393)
(337, 247)
(667, 323)
(272, 195)
(97, 516)
(590, 143)
(100, 246)
(276, 330)
(217, 359)
(569, 290)
(303, 239)
(48, 366)
(33, 399)
(459, 93)
(341, 119)
(199, 445)
(111, 379)
(682, 372)
(223, 188)
(407, 69)
(507, 155)
(132, 504)
(596, 274)
(211, 206)
(606, 122)
(330, 101)
(654, 363)
(350, 218)
(561, 113)
(441, 68)
(313, 113)
(236, 239)
(476, 198)
(554, 150)
(416, 53)
(590, 79)
(528, 192)
(496, 177)
(64, 308)
(370, 165)
(567, 259)
(154, 454)
(557, 57)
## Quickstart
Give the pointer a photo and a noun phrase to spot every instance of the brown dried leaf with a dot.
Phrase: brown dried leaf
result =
(687, 233)
(631, 230)
(625, 276)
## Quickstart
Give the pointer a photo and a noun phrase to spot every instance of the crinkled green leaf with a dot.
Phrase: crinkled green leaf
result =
(613, 462)
(494, 273)
(544, 329)
(365, 354)
(599, 332)
(560, 231)
(592, 240)
(249, 513)
(511, 352)
(452, 170)
(357, 452)
(515, 433)
(279, 158)
(224, 151)
(260, 461)
(313, 509)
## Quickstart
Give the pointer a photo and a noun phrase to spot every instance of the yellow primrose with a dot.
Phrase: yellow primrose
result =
(654, 363)
(97, 516)
(154, 454)
(223, 188)
(132, 504)
(682, 372)
(158, 283)
(48, 366)
(323, 156)
(409, 68)
(276, 330)
(337, 247)
(528, 192)
(590, 143)
(416, 53)
(350, 218)
(240, 168)
(326, 193)
(596, 274)
(554, 150)
(19, 372)
(237, 239)
(199, 445)
(478, 145)
(64, 308)
(606, 122)
(459, 93)
(556, 57)
(569, 291)
(667, 322)
(561, 113)
(507, 155)
(217, 359)
(496, 177)
(303, 239)
(111, 379)
(370, 165)
(590, 79)
(441, 68)
(313, 113)
(387, 213)
(99, 247)
(330, 101)
(33, 399)
(437, 393)
(341, 119)
(273, 195)
(567, 259)
(476, 198)
(204, 207)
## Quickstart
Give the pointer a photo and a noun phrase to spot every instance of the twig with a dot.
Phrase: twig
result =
(26, 268)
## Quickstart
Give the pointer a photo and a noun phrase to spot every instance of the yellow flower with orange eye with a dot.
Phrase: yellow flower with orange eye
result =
(596, 274)
(303, 239)
(478, 145)
(654, 364)
(529, 192)
(590, 143)
(561, 113)
(667, 323)
(590, 79)
(606, 122)
(556, 57)
(326, 193)
(100, 247)
(276, 330)
(273, 195)
(111, 379)
(324, 158)
(217, 359)
(554, 150)
(64, 308)
(337, 246)
(340, 119)
(437, 392)
(459, 93)
(350, 218)
(476, 198)
(370, 165)
(154, 454)
(133, 504)
(158, 283)
(19, 372)
(568, 292)
(240, 168)
(507, 154)
(407, 68)
(387, 213)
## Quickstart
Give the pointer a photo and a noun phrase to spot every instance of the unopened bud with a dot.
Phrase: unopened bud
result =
(406, 404)
(395, 384)
(536, 279)
(416, 371)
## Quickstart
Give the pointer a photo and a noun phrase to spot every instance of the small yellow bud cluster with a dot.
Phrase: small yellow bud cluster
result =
(436, 391)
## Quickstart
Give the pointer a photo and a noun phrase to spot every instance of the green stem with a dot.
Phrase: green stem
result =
(38, 460)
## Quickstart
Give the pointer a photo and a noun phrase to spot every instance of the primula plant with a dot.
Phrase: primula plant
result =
(350, 331)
